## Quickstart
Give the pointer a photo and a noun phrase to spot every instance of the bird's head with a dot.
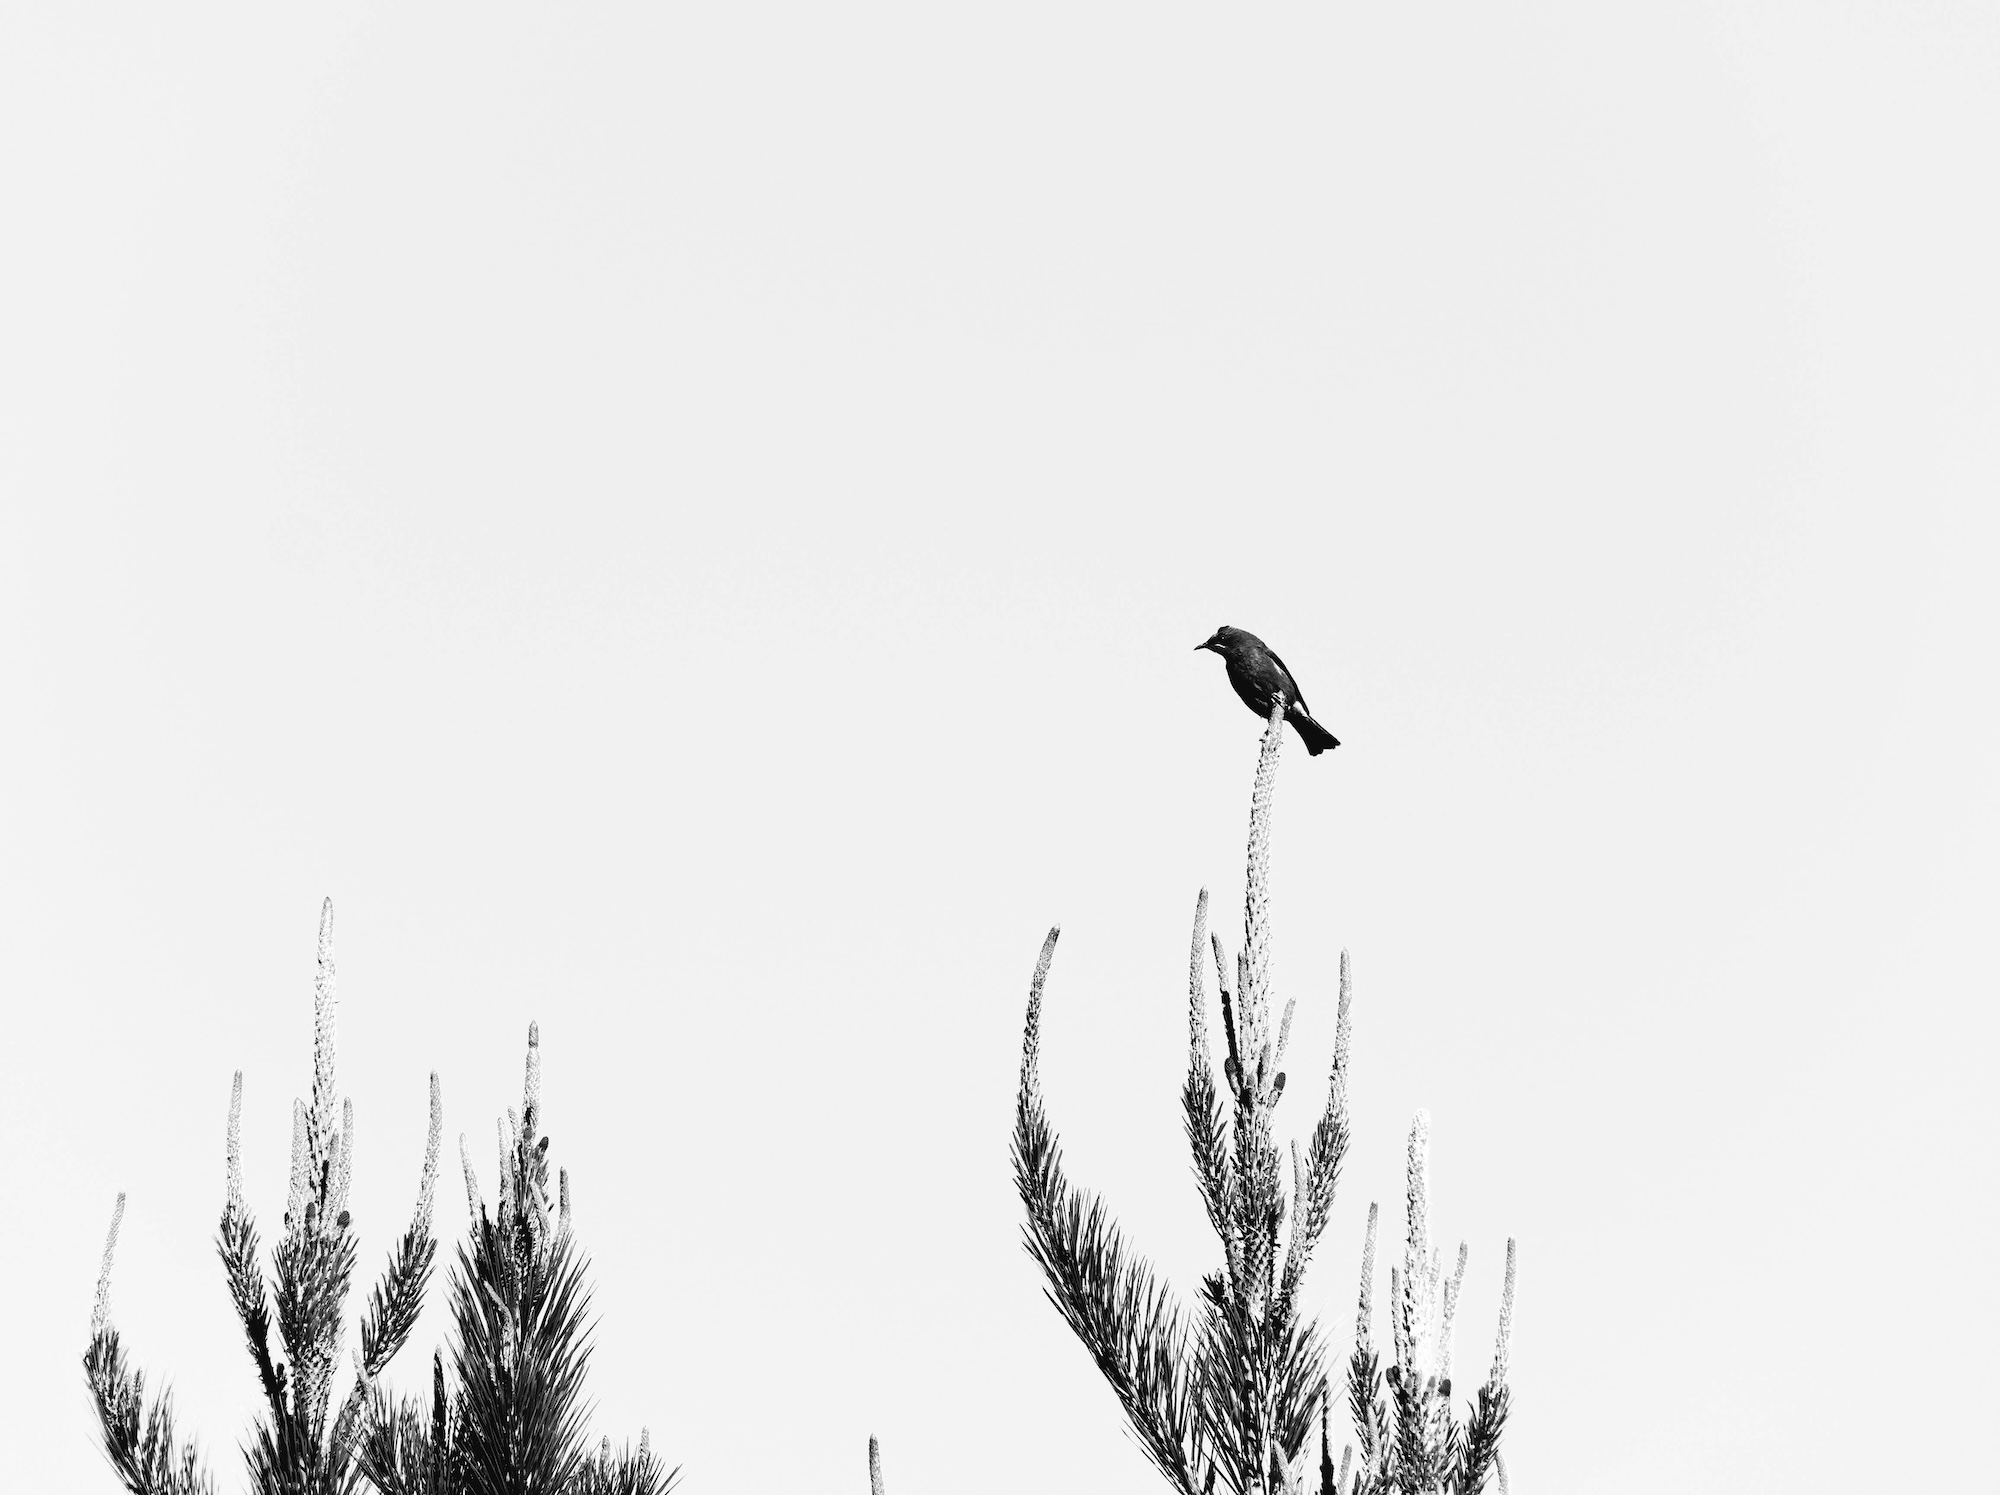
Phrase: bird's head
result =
(1219, 641)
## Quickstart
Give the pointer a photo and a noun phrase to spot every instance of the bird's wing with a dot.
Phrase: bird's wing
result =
(1290, 684)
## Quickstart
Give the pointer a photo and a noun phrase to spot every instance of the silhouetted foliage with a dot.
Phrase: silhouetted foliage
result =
(1226, 1396)
(520, 1320)
(300, 1445)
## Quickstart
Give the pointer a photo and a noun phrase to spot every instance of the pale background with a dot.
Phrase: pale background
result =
(691, 522)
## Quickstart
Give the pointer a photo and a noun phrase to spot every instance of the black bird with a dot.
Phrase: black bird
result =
(1262, 680)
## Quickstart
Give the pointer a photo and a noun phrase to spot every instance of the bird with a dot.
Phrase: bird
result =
(1261, 679)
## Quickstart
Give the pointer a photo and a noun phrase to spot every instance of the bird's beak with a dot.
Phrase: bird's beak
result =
(1208, 644)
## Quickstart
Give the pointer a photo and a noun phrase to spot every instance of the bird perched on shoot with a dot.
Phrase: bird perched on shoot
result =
(1262, 680)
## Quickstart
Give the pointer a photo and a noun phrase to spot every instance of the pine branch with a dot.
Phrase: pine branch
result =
(395, 1301)
(1409, 1456)
(1208, 1140)
(623, 1472)
(1261, 1385)
(1321, 1175)
(139, 1441)
(1107, 1295)
(314, 1270)
(393, 1452)
(523, 1352)
(236, 1243)
(1111, 1301)
(521, 1314)
(1206, 1125)
(398, 1295)
(1479, 1449)
(408, 1448)
(1258, 1203)
(1373, 1432)
(1412, 1442)
(1481, 1444)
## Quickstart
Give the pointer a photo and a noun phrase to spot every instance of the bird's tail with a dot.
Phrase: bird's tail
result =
(1316, 738)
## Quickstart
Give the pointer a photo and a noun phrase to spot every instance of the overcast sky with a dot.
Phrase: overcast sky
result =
(691, 524)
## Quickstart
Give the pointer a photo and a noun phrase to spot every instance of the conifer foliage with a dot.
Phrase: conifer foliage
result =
(300, 1444)
(1226, 1397)
(514, 1425)
(138, 1440)
(1411, 1441)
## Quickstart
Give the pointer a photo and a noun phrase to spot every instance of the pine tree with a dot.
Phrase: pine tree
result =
(1227, 1396)
(520, 1308)
(296, 1447)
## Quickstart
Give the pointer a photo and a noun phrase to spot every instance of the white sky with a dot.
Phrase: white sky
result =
(691, 524)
